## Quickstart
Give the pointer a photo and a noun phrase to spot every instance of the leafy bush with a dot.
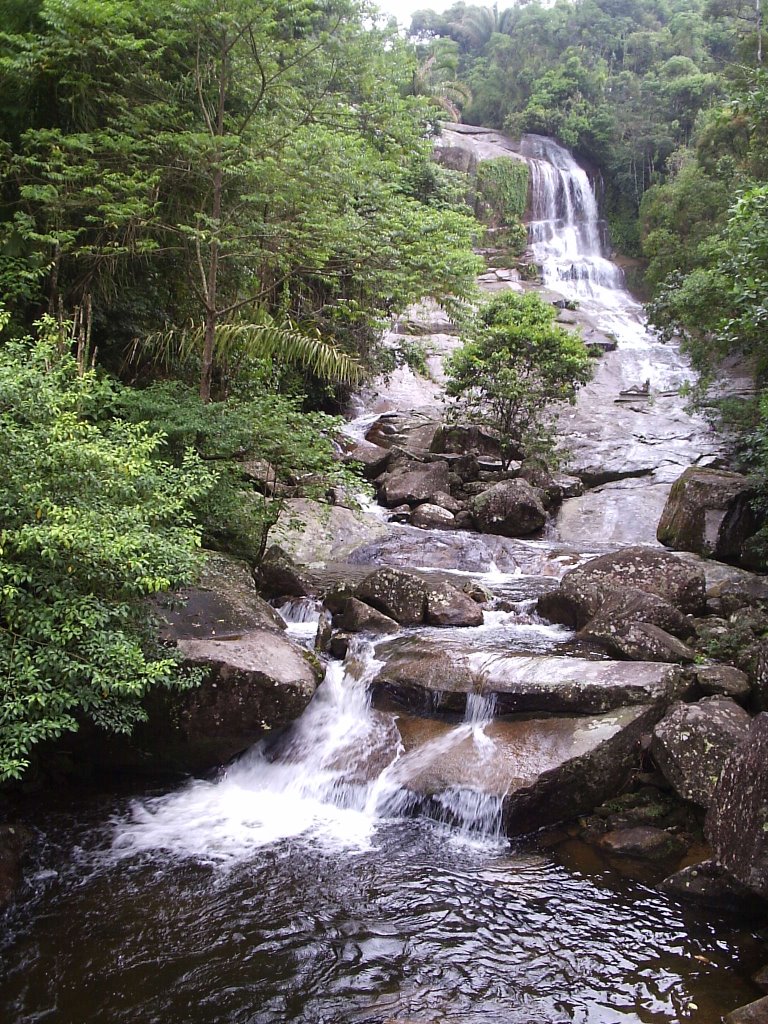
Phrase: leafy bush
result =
(260, 450)
(92, 523)
(514, 365)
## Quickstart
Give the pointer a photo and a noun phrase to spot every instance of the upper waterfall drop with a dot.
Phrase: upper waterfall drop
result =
(564, 228)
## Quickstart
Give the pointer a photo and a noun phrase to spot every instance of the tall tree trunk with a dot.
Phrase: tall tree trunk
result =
(759, 23)
(211, 314)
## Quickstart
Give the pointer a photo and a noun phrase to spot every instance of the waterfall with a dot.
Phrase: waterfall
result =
(565, 229)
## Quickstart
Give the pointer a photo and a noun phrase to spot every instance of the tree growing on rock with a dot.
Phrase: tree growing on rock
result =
(516, 364)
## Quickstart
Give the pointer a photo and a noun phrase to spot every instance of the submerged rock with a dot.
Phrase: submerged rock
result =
(692, 742)
(536, 772)
(752, 1013)
(708, 884)
(14, 840)
(708, 511)
(644, 841)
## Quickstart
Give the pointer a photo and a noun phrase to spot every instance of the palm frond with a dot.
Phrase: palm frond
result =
(262, 338)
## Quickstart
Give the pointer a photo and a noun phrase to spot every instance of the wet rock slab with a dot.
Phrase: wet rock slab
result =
(432, 680)
(541, 770)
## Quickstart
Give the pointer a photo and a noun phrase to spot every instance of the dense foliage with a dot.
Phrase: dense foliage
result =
(516, 364)
(187, 167)
(221, 203)
(93, 523)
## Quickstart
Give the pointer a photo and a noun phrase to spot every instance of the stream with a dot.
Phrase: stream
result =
(297, 884)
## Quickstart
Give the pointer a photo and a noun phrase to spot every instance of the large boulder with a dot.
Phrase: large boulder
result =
(446, 605)
(692, 742)
(253, 684)
(432, 517)
(620, 608)
(359, 617)
(525, 773)
(373, 458)
(410, 431)
(460, 439)
(708, 511)
(398, 594)
(280, 577)
(312, 532)
(583, 589)
(511, 508)
(223, 602)
(412, 483)
(410, 599)
(737, 820)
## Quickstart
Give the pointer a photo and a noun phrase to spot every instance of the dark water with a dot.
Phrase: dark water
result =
(414, 924)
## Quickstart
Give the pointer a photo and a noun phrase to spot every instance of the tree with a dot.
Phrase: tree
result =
(514, 366)
(93, 523)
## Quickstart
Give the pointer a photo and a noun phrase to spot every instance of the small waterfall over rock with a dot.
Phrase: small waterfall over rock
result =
(565, 230)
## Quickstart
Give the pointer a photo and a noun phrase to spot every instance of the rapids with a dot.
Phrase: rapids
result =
(295, 884)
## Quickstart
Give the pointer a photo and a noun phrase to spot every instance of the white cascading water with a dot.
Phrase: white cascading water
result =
(567, 241)
(564, 229)
(317, 780)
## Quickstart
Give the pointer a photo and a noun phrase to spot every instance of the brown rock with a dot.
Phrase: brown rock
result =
(448, 606)
(413, 483)
(752, 1013)
(432, 517)
(643, 841)
(359, 617)
(722, 681)
(396, 593)
(224, 602)
(708, 884)
(583, 589)
(640, 641)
